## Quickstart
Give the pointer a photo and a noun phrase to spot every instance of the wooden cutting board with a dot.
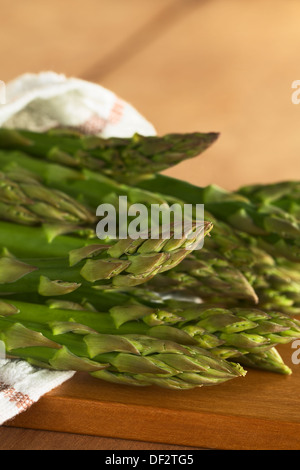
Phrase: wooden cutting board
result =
(260, 411)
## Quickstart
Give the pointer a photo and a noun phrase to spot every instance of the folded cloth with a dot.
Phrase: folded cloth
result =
(21, 385)
(46, 100)
(39, 102)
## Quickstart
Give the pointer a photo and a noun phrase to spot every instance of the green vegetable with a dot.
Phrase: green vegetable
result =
(122, 264)
(124, 159)
(268, 360)
(227, 333)
(133, 359)
(213, 271)
(23, 199)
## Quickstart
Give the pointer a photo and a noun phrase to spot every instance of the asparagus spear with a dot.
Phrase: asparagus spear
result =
(211, 262)
(122, 264)
(278, 286)
(286, 198)
(138, 359)
(273, 193)
(240, 330)
(268, 360)
(94, 189)
(255, 256)
(238, 286)
(247, 330)
(45, 241)
(207, 274)
(231, 208)
(223, 239)
(25, 200)
(87, 185)
(276, 243)
(227, 334)
(150, 263)
(123, 158)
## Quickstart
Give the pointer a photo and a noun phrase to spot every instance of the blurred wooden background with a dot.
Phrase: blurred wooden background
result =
(207, 65)
(187, 65)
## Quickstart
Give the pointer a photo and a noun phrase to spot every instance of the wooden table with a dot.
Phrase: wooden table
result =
(29, 439)
(186, 65)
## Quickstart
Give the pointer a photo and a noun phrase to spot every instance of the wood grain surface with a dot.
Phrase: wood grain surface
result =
(226, 66)
(70, 36)
(221, 65)
(29, 439)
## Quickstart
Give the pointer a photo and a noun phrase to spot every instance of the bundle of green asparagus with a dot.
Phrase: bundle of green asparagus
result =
(269, 262)
(50, 187)
(192, 353)
(94, 189)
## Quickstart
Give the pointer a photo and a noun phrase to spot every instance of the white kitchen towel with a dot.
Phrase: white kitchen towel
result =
(39, 102)
(21, 385)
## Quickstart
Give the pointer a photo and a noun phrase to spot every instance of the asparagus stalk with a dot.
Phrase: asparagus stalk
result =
(138, 359)
(255, 257)
(213, 269)
(150, 264)
(247, 330)
(45, 241)
(268, 360)
(284, 197)
(86, 185)
(123, 158)
(93, 189)
(275, 231)
(279, 286)
(207, 274)
(228, 335)
(223, 240)
(277, 193)
(241, 330)
(233, 210)
(25, 200)
(123, 264)
(229, 207)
